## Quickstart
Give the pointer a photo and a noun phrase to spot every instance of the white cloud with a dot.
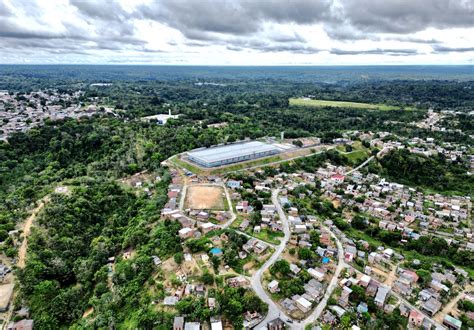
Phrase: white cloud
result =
(239, 32)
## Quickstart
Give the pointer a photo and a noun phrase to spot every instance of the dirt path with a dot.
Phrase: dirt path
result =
(451, 306)
(392, 276)
(27, 231)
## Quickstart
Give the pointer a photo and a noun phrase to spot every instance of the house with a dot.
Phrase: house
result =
(216, 323)
(337, 178)
(234, 184)
(156, 260)
(410, 276)
(207, 227)
(170, 300)
(415, 318)
(7, 292)
(404, 310)
(388, 253)
(192, 326)
(202, 216)
(185, 233)
(237, 282)
(178, 323)
(294, 269)
(273, 286)
(431, 306)
(299, 228)
(348, 257)
(316, 274)
(276, 324)
(288, 304)
(364, 281)
(329, 318)
(211, 302)
(259, 248)
(23, 325)
(381, 295)
(372, 288)
(303, 304)
(343, 300)
(242, 207)
(338, 310)
(452, 323)
(244, 225)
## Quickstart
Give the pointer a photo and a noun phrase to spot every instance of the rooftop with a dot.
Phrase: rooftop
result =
(219, 153)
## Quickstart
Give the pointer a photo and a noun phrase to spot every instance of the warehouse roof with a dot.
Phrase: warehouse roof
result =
(215, 154)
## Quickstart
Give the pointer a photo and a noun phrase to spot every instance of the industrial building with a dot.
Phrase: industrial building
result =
(160, 119)
(232, 153)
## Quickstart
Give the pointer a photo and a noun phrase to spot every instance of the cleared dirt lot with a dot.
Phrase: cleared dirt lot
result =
(202, 197)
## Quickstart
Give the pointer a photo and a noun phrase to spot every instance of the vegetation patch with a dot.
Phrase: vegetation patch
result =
(305, 102)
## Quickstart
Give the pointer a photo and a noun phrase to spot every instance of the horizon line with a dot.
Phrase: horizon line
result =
(237, 65)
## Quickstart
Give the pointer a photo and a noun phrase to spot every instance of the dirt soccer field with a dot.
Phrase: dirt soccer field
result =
(204, 198)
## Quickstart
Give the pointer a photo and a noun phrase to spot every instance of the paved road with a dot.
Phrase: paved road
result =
(256, 280)
(405, 302)
(332, 285)
(360, 166)
(368, 160)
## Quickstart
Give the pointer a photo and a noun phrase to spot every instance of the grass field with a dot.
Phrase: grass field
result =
(342, 104)
(195, 169)
(358, 155)
(244, 165)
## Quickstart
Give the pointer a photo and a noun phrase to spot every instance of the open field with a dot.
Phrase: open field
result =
(342, 104)
(358, 154)
(202, 197)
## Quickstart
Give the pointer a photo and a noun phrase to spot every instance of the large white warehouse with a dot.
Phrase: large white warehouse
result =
(232, 153)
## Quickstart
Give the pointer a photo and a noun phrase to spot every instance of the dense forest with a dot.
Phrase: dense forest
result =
(436, 172)
(66, 271)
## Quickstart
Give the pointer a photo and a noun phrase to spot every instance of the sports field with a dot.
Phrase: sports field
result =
(202, 197)
(341, 104)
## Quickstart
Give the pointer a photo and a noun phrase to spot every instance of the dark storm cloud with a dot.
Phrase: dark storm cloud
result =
(443, 49)
(105, 10)
(406, 16)
(416, 40)
(197, 19)
(376, 51)
(234, 24)
(288, 38)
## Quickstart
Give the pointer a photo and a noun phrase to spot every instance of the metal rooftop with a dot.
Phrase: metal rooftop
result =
(220, 153)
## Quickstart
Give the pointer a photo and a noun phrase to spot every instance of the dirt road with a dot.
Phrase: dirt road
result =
(27, 231)
(451, 306)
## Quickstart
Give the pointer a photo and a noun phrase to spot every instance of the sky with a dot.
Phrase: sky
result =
(237, 32)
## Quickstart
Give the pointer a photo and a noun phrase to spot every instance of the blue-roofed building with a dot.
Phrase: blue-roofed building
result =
(234, 184)
(452, 323)
(232, 153)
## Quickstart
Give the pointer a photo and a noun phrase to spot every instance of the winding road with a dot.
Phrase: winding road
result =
(256, 280)
(275, 310)
(329, 290)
